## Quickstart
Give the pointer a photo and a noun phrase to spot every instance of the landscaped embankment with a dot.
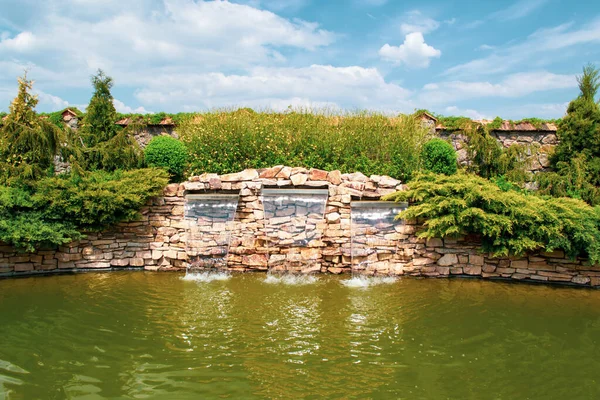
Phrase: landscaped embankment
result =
(157, 241)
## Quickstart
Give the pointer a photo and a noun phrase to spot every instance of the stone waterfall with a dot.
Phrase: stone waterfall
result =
(374, 235)
(294, 220)
(210, 218)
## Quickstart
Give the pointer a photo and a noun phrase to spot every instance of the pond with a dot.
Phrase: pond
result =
(154, 335)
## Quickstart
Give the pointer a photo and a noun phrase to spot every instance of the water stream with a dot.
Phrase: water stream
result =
(210, 218)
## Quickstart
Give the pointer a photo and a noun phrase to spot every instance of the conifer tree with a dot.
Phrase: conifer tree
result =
(576, 160)
(579, 131)
(106, 145)
(28, 144)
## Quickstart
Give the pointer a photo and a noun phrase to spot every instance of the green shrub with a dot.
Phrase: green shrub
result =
(168, 153)
(509, 222)
(225, 142)
(54, 211)
(439, 157)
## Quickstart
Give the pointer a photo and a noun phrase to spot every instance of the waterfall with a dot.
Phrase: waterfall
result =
(294, 220)
(373, 236)
(210, 218)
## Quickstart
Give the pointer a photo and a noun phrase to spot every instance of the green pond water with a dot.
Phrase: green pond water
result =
(154, 335)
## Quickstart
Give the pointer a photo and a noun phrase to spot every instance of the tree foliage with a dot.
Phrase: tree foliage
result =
(106, 145)
(39, 209)
(28, 144)
(576, 160)
(509, 222)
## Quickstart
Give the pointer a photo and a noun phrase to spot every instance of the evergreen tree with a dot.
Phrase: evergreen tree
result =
(579, 131)
(106, 145)
(577, 157)
(28, 144)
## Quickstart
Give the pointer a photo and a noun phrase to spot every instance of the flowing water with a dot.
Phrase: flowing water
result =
(156, 336)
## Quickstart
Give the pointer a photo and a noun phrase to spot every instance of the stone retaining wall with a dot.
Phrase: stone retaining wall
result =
(158, 240)
(540, 145)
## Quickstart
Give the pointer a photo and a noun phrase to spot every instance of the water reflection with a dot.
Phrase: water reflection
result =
(138, 335)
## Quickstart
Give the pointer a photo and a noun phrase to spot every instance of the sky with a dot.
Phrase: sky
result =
(480, 59)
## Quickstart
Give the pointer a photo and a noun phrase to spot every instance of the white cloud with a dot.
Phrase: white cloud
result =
(456, 111)
(22, 42)
(515, 85)
(177, 34)
(125, 109)
(314, 86)
(414, 21)
(55, 103)
(414, 52)
(539, 110)
(517, 10)
(540, 43)
(486, 47)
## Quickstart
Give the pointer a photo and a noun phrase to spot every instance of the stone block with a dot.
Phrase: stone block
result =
(121, 262)
(299, 179)
(519, 264)
(433, 242)
(476, 259)
(136, 262)
(23, 267)
(335, 177)
(99, 264)
(472, 270)
(581, 280)
(317, 174)
(448, 260)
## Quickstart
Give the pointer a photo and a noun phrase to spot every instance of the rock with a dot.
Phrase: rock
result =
(122, 262)
(284, 173)
(171, 190)
(255, 260)
(422, 261)
(448, 260)
(299, 179)
(434, 242)
(476, 260)
(523, 264)
(23, 267)
(245, 175)
(335, 177)
(136, 262)
(96, 265)
(357, 177)
(388, 182)
(333, 217)
(270, 173)
(317, 175)
(472, 270)
(581, 280)
(192, 186)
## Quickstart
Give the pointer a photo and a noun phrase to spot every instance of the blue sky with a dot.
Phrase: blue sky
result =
(513, 59)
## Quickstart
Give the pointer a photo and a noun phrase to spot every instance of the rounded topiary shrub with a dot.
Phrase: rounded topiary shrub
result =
(439, 156)
(168, 153)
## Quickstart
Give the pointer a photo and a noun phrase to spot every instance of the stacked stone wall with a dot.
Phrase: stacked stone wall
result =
(158, 240)
(540, 145)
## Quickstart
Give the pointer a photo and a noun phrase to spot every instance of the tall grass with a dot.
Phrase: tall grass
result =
(230, 141)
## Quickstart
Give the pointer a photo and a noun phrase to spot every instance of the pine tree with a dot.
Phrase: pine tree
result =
(28, 144)
(106, 145)
(576, 160)
(579, 131)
